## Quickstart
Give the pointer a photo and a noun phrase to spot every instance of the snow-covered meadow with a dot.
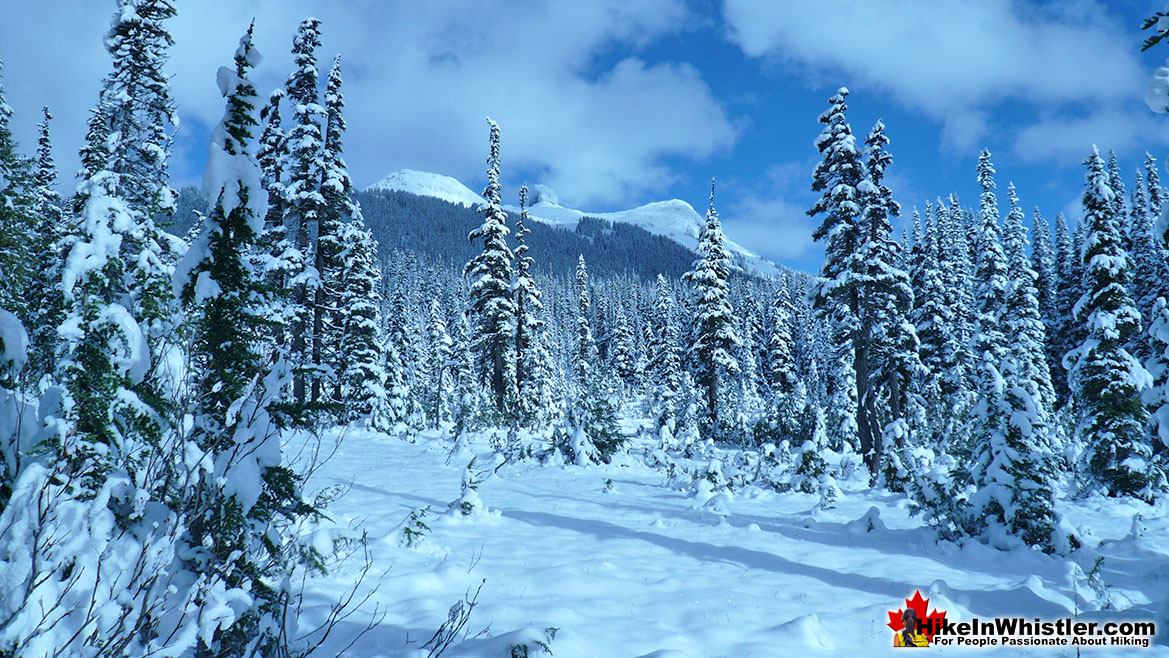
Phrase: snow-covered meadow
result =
(642, 567)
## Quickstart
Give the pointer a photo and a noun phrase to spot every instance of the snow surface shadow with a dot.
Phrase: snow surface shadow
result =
(704, 552)
(980, 601)
(397, 494)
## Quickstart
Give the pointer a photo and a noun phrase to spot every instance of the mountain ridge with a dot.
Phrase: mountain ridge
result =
(673, 218)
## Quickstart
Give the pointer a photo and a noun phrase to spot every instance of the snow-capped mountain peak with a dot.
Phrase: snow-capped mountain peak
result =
(674, 219)
(424, 183)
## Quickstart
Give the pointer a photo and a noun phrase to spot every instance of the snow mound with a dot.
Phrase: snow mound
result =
(424, 183)
(806, 630)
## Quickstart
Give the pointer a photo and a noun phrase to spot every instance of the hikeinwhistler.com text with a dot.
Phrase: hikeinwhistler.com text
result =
(1017, 631)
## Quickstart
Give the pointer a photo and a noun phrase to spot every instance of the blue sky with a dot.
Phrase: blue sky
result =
(614, 103)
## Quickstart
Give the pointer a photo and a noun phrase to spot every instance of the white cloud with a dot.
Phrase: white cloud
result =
(420, 78)
(770, 217)
(1069, 139)
(952, 59)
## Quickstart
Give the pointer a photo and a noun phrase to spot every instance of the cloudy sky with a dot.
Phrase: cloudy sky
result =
(614, 103)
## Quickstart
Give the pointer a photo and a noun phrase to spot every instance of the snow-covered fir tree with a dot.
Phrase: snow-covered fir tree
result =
(664, 368)
(837, 177)
(304, 204)
(275, 255)
(715, 338)
(1107, 381)
(1022, 314)
(623, 352)
(16, 223)
(491, 295)
(48, 209)
(1150, 268)
(1043, 262)
(786, 392)
(339, 209)
(989, 343)
(468, 394)
(236, 509)
(440, 365)
(1069, 333)
(530, 365)
(1156, 398)
(361, 358)
(889, 362)
(1015, 469)
(585, 352)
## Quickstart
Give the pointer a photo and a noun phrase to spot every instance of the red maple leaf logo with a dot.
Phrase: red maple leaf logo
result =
(919, 605)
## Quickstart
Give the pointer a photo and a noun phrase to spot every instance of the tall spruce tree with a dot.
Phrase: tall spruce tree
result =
(715, 338)
(1044, 263)
(1119, 199)
(16, 224)
(275, 255)
(585, 351)
(1015, 469)
(1150, 272)
(1022, 314)
(304, 204)
(528, 311)
(989, 343)
(787, 396)
(664, 368)
(491, 299)
(339, 209)
(235, 511)
(48, 209)
(441, 366)
(1107, 380)
(836, 302)
(1069, 333)
(361, 358)
(886, 345)
(1156, 398)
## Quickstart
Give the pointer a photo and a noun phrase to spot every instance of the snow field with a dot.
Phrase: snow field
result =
(639, 572)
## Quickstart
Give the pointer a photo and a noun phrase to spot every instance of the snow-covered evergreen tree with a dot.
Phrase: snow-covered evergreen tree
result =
(1120, 197)
(1156, 398)
(585, 351)
(889, 362)
(235, 510)
(837, 176)
(1150, 268)
(786, 395)
(16, 224)
(664, 368)
(531, 378)
(1015, 469)
(623, 353)
(275, 255)
(989, 343)
(304, 204)
(339, 208)
(1070, 332)
(933, 313)
(361, 358)
(1043, 262)
(1108, 381)
(1022, 315)
(468, 393)
(491, 299)
(48, 210)
(441, 366)
(715, 338)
